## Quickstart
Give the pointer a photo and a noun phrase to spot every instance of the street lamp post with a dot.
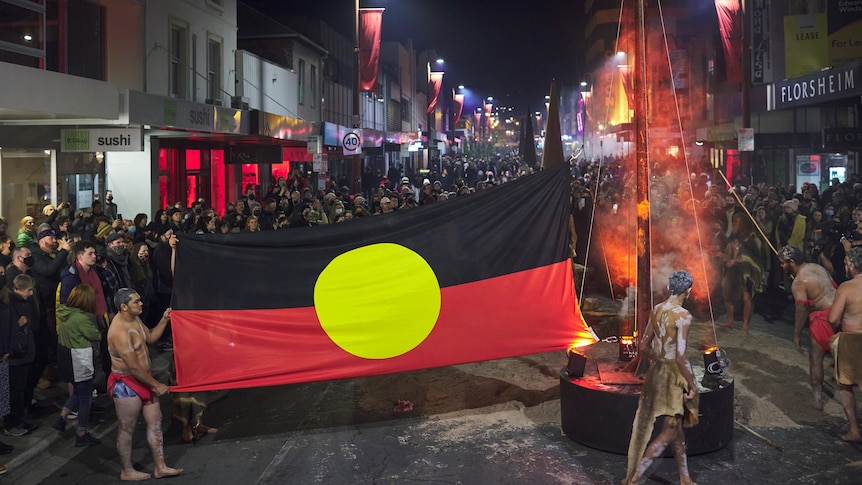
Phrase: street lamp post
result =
(356, 162)
(433, 88)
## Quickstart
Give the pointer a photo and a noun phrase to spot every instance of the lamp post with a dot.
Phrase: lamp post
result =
(433, 88)
(356, 162)
(585, 96)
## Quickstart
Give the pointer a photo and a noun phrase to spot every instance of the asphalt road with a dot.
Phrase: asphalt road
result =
(468, 427)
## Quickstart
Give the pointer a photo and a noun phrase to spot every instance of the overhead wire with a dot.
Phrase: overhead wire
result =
(687, 171)
(220, 88)
(594, 194)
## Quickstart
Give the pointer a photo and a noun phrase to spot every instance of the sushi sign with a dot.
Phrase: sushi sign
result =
(102, 140)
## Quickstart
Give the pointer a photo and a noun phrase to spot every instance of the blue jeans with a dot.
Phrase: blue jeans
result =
(82, 400)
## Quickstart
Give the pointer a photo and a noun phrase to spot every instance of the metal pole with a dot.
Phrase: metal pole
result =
(356, 169)
(745, 157)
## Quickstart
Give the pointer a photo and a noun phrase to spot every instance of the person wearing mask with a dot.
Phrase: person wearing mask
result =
(116, 274)
(22, 261)
(76, 334)
(5, 334)
(142, 276)
(110, 207)
(24, 320)
(267, 216)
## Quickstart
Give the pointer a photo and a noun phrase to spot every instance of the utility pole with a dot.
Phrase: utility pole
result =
(356, 169)
(745, 156)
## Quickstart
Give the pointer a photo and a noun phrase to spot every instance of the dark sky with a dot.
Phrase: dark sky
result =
(504, 49)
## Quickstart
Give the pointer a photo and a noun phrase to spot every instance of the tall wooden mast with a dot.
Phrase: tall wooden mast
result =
(644, 287)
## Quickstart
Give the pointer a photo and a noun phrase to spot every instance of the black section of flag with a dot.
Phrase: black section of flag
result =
(512, 227)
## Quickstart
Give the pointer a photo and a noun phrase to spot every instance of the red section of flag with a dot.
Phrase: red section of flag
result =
(369, 48)
(730, 25)
(516, 314)
(435, 80)
(459, 105)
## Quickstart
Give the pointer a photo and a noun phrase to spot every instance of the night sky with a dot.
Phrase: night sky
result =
(504, 49)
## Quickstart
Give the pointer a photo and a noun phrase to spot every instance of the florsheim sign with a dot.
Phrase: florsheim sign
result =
(828, 85)
(102, 140)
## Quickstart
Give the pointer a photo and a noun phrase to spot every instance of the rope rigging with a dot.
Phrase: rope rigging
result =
(688, 166)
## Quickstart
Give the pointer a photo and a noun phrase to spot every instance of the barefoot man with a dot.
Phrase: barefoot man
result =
(813, 290)
(669, 389)
(847, 312)
(131, 384)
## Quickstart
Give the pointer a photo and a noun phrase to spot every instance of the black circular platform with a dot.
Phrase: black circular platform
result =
(600, 415)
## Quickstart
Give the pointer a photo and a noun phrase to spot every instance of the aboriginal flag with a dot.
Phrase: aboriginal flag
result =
(481, 277)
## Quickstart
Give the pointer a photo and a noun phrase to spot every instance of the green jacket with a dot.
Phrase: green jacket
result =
(75, 334)
(76, 329)
(24, 239)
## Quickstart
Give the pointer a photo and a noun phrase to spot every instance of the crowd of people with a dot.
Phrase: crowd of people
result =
(67, 274)
(801, 244)
(68, 277)
(741, 228)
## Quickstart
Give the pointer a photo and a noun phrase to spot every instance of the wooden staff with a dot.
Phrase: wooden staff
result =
(753, 220)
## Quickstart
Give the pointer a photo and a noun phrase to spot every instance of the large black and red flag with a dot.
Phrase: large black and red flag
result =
(481, 277)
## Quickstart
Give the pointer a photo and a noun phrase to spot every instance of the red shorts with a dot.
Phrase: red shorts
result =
(820, 329)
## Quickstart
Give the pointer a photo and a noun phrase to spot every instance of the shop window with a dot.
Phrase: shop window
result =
(178, 58)
(301, 84)
(214, 68)
(168, 176)
(26, 176)
(22, 39)
(313, 83)
(193, 174)
(79, 178)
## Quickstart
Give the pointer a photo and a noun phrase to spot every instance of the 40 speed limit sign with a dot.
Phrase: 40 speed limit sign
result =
(351, 144)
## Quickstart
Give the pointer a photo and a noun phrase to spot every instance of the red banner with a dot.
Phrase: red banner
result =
(435, 80)
(730, 24)
(628, 84)
(369, 48)
(459, 105)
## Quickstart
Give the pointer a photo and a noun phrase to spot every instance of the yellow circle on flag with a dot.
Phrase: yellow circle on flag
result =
(378, 301)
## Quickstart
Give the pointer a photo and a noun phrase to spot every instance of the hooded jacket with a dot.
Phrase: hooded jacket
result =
(76, 333)
(19, 307)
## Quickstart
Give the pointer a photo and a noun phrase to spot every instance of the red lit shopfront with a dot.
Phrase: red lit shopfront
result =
(192, 170)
